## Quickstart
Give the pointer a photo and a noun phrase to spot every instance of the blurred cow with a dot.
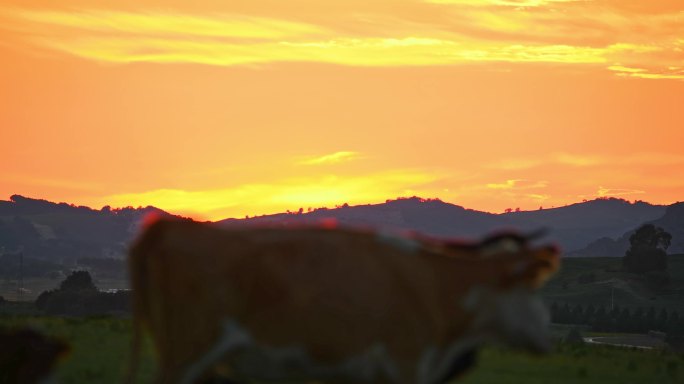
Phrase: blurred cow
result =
(28, 357)
(331, 305)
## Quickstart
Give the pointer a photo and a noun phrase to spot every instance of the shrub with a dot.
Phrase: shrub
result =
(78, 281)
(647, 251)
(78, 296)
(574, 336)
(586, 278)
(658, 279)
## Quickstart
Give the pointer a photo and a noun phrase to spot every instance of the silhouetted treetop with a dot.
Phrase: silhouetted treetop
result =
(649, 236)
(78, 281)
(647, 253)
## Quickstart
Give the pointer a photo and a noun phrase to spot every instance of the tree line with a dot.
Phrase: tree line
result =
(77, 295)
(617, 319)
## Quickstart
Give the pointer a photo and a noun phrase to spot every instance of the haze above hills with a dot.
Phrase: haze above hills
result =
(64, 233)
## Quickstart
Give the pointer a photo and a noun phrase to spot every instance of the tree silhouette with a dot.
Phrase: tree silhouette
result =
(78, 281)
(77, 295)
(647, 251)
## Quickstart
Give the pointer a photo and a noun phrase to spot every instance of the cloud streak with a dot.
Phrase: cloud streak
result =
(611, 192)
(332, 158)
(588, 33)
(368, 52)
(669, 73)
(170, 24)
(518, 184)
(509, 184)
(588, 160)
(504, 3)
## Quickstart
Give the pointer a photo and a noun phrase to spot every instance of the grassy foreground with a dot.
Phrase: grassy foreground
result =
(100, 350)
(578, 364)
(99, 347)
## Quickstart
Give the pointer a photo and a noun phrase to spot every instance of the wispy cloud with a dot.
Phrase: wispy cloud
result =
(609, 192)
(506, 3)
(170, 24)
(668, 73)
(519, 184)
(332, 158)
(587, 160)
(507, 185)
(588, 33)
(576, 160)
(515, 164)
(538, 197)
(370, 52)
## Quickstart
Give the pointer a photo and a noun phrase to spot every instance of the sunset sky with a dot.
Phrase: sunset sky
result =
(219, 109)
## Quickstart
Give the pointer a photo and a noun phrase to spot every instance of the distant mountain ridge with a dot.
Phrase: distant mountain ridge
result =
(672, 222)
(573, 227)
(64, 233)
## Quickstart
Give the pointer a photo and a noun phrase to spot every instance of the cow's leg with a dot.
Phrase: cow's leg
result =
(459, 366)
(233, 338)
(218, 380)
(440, 366)
(167, 374)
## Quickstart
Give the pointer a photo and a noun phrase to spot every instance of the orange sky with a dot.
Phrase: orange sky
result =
(215, 110)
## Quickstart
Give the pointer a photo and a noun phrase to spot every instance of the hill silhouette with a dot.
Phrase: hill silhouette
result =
(64, 233)
(672, 222)
(574, 227)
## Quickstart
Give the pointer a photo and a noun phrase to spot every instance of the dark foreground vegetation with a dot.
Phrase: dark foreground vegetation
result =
(100, 351)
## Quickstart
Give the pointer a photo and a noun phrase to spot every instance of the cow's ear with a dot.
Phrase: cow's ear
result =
(535, 270)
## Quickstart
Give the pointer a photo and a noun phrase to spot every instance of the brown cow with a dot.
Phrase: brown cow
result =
(330, 305)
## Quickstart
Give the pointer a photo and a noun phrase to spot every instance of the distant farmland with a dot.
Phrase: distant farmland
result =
(599, 281)
(581, 280)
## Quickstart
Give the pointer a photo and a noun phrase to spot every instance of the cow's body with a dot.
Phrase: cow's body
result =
(328, 305)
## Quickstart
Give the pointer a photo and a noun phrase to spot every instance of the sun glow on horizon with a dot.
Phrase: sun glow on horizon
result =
(292, 194)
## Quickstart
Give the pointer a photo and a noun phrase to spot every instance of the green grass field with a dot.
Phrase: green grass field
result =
(99, 347)
(100, 350)
(578, 364)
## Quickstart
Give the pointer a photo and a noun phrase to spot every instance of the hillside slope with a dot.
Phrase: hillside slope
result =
(672, 221)
(63, 233)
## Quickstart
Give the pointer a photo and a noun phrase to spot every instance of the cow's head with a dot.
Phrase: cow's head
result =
(508, 311)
